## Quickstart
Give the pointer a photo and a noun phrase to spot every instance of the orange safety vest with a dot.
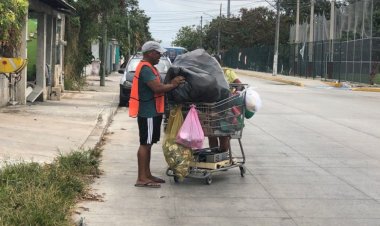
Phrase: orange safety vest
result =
(134, 101)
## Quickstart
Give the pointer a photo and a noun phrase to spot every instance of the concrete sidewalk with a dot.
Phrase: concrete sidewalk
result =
(40, 131)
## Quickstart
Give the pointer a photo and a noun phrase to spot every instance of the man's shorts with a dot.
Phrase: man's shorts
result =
(149, 129)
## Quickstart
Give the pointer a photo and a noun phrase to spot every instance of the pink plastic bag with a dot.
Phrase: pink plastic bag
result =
(191, 133)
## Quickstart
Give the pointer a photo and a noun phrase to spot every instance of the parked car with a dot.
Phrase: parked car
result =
(173, 52)
(128, 72)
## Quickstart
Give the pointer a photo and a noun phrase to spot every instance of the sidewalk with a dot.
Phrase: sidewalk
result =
(40, 131)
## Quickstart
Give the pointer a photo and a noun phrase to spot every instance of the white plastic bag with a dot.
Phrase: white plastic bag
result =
(253, 101)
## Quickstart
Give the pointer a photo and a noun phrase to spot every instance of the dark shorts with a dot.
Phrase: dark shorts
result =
(149, 129)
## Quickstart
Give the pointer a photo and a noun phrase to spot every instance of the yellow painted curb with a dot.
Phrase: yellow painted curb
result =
(334, 84)
(367, 89)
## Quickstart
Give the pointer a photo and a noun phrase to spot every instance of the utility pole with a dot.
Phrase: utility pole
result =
(298, 22)
(275, 57)
(104, 50)
(220, 17)
(228, 8)
(332, 29)
(201, 31)
(311, 34)
(297, 38)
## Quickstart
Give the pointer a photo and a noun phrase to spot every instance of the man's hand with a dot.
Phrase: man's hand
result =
(177, 80)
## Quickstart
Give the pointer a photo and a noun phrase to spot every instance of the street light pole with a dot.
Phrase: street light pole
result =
(275, 56)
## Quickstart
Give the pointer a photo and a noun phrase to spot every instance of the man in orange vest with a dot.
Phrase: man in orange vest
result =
(147, 104)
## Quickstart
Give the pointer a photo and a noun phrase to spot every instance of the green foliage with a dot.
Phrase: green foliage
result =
(188, 37)
(12, 19)
(92, 19)
(34, 194)
(376, 19)
(252, 27)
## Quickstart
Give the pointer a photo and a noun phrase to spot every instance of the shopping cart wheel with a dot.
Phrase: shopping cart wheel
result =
(208, 180)
(242, 171)
(176, 179)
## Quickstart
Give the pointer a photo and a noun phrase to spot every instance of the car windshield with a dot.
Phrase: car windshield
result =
(162, 66)
(133, 64)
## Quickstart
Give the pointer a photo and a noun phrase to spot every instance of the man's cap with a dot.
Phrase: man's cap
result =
(152, 45)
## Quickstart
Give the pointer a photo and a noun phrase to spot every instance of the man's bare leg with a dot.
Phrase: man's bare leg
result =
(143, 160)
(149, 173)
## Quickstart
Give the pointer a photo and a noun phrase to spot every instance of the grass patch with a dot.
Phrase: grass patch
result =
(35, 194)
(377, 79)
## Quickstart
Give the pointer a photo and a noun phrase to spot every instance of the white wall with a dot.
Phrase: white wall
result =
(95, 49)
(4, 92)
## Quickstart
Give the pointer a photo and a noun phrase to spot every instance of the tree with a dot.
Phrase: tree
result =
(188, 37)
(94, 17)
(252, 27)
(12, 19)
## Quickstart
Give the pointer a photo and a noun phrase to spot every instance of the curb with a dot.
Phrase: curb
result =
(366, 89)
(274, 78)
(363, 89)
(104, 120)
(333, 84)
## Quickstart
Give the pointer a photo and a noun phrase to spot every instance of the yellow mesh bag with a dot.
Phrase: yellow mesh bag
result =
(177, 156)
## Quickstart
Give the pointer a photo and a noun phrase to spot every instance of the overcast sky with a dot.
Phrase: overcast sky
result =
(168, 16)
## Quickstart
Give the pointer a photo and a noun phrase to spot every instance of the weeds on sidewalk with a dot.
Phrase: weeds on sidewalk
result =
(35, 194)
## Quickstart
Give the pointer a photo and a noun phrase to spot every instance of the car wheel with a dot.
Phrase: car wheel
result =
(123, 102)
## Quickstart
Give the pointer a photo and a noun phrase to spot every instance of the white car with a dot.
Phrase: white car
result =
(129, 72)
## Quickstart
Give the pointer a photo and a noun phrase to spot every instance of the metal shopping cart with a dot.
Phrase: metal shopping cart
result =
(223, 118)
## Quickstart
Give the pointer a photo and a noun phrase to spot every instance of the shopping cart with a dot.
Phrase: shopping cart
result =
(220, 119)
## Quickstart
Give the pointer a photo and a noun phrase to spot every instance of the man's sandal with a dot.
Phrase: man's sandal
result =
(157, 180)
(149, 184)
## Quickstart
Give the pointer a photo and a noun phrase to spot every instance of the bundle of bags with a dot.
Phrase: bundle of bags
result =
(204, 77)
(181, 136)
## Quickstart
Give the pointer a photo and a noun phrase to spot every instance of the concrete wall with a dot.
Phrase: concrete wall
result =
(4, 92)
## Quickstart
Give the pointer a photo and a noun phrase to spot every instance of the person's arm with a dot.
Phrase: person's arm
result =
(159, 87)
(237, 80)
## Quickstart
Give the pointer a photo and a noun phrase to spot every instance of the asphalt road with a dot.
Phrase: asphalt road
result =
(313, 158)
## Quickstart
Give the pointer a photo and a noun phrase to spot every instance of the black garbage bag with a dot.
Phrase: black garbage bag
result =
(204, 77)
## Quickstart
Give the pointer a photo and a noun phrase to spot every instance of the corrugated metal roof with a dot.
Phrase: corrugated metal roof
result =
(61, 5)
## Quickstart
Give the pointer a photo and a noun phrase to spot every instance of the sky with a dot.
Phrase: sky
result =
(168, 16)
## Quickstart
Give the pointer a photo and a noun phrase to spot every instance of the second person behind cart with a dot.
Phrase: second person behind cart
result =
(222, 143)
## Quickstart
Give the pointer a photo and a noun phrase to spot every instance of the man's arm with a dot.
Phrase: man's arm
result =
(159, 87)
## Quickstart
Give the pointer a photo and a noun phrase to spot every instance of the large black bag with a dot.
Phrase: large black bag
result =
(204, 77)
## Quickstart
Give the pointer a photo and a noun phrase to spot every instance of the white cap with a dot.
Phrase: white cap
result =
(152, 45)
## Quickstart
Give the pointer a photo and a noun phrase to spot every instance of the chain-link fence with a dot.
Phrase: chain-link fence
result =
(258, 58)
(346, 50)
